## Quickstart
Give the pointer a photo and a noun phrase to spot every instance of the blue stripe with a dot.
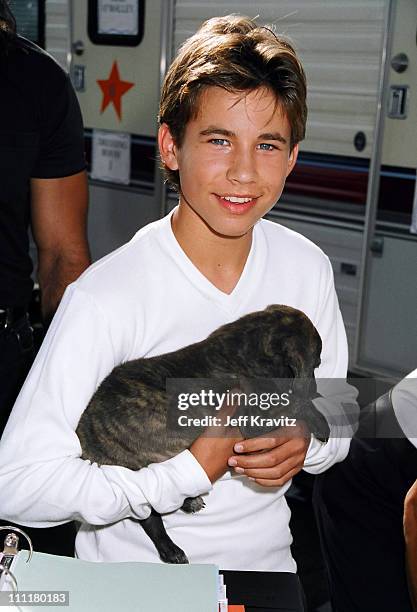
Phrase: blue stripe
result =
(411, 177)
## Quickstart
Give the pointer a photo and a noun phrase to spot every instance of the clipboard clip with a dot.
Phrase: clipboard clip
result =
(10, 550)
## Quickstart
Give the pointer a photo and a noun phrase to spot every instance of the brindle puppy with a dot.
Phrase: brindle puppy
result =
(125, 422)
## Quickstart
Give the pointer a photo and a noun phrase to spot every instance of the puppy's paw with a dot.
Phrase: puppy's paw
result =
(193, 504)
(171, 553)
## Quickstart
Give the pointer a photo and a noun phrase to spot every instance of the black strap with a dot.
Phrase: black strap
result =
(378, 420)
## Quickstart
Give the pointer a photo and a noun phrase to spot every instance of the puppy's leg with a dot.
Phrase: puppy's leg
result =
(193, 504)
(167, 550)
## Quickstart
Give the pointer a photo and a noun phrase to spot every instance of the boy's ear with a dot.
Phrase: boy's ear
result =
(292, 159)
(167, 148)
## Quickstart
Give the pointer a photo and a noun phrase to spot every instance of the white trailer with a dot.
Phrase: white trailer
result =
(353, 189)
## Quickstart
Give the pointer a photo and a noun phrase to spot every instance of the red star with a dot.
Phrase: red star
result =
(113, 89)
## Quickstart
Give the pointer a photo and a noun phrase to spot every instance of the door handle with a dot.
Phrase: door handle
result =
(78, 47)
(377, 246)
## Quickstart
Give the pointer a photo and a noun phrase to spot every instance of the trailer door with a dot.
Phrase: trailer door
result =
(116, 73)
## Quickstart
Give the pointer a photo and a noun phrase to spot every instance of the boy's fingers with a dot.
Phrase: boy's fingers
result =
(261, 443)
(270, 473)
(266, 482)
(286, 449)
(275, 459)
(273, 439)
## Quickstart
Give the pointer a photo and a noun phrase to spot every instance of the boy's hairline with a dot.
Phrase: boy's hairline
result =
(244, 92)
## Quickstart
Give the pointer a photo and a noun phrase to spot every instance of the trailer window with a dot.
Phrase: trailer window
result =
(30, 19)
(116, 22)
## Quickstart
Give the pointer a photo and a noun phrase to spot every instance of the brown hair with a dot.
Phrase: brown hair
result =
(7, 28)
(235, 53)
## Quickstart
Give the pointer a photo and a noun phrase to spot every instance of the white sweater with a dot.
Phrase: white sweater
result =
(145, 299)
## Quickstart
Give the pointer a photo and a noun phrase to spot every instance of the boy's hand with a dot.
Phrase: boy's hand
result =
(274, 459)
(213, 448)
(212, 453)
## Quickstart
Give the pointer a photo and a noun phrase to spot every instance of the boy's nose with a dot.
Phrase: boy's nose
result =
(242, 168)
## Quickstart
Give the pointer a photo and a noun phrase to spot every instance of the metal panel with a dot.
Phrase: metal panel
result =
(373, 186)
(115, 215)
(57, 31)
(389, 326)
(343, 246)
(340, 44)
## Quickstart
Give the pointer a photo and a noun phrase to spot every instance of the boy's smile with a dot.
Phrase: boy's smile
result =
(233, 161)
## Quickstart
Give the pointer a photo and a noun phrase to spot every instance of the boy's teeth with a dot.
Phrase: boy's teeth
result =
(237, 200)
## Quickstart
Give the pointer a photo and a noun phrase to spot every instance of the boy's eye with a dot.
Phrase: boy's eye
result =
(219, 141)
(264, 146)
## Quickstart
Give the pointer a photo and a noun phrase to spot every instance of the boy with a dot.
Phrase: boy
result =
(232, 113)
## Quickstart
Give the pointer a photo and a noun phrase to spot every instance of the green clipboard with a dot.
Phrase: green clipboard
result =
(108, 587)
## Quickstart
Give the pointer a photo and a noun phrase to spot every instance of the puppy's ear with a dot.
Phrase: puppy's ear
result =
(304, 384)
(293, 357)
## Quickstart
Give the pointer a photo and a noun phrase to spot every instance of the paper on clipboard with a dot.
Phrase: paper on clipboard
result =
(118, 17)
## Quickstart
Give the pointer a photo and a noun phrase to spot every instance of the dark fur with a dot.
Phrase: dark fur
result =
(125, 422)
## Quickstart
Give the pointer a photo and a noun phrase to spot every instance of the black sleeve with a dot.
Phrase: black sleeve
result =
(61, 127)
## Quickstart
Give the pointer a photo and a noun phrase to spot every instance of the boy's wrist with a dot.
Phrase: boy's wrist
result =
(212, 454)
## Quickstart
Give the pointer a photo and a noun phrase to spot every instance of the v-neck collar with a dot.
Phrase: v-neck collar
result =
(229, 302)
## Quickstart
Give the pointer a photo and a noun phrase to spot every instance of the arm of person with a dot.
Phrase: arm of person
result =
(410, 536)
(58, 189)
(44, 481)
(273, 460)
(59, 227)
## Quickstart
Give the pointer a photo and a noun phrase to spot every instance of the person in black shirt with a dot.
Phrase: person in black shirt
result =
(43, 184)
(366, 508)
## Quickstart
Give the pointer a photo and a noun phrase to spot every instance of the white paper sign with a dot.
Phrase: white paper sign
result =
(111, 156)
(118, 17)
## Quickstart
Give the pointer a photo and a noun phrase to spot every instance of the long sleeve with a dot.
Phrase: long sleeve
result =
(404, 402)
(338, 401)
(43, 480)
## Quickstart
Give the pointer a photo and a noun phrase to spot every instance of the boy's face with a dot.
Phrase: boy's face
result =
(234, 159)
